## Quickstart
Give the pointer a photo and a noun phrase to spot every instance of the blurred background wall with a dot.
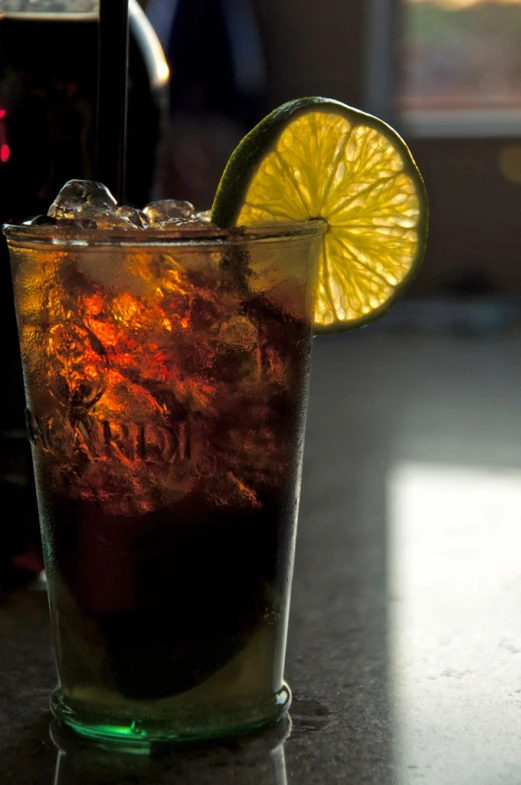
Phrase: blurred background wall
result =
(314, 48)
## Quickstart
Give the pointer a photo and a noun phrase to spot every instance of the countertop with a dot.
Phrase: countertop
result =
(404, 651)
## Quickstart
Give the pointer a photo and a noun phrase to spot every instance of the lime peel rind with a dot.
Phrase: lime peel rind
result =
(316, 157)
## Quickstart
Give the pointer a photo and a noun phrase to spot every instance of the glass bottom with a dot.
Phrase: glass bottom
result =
(142, 731)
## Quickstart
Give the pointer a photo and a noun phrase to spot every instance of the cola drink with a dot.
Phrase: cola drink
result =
(166, 368)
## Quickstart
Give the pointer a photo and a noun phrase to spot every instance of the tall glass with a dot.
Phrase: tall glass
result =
(166, 379)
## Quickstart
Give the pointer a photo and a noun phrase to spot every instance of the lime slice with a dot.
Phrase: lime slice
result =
(318, 158)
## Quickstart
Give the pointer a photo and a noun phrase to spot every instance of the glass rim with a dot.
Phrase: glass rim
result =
(73, 237)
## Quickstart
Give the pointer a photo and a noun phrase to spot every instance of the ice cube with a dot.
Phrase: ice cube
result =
(169, 212)
(239, 334)
(238, 358)
(78, 364)
(203, 216)
(132, 217)
(79, 199)
(121, 218)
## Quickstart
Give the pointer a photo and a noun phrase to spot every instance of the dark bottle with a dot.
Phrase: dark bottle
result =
(48, 99)
(217, 90)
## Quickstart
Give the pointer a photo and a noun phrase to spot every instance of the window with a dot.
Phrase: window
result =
(450, 71)
(460, 70)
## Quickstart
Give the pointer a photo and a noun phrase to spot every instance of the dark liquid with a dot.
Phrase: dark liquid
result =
(175, 595)
(167, 409)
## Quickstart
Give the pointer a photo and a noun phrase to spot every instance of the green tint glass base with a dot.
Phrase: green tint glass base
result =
(139, 731)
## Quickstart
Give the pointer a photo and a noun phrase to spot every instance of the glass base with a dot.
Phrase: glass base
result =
(142, 731)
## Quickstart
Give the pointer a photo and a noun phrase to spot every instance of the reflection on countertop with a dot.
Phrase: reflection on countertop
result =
(405, 638)
(259, 757)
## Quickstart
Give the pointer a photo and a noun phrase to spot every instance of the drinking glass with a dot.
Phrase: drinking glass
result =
(166, 377)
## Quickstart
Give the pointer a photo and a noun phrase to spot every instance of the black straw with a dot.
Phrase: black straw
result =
(112, 96)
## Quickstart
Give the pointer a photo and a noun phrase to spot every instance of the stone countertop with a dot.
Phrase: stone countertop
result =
(404, 651)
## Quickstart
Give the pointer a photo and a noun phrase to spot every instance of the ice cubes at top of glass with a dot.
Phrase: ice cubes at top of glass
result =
(90, 205)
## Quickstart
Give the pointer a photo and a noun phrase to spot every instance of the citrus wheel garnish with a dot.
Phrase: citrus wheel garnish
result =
(318, 158)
